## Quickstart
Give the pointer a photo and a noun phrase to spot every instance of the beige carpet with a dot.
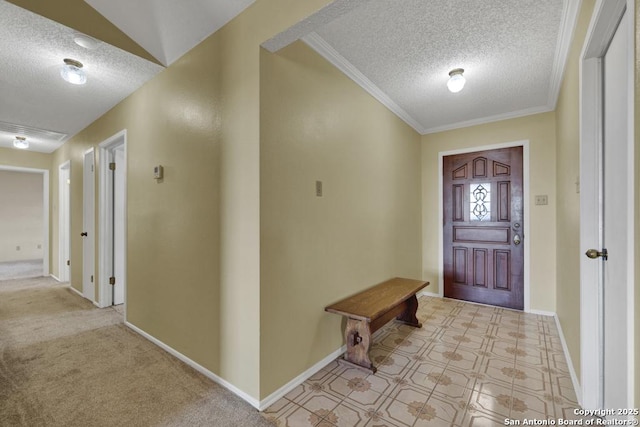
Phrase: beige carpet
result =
(64, 362)
(20, 269)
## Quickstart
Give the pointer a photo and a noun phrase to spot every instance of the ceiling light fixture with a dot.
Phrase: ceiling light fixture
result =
(72, 72)
(456, 80)
(21, 142)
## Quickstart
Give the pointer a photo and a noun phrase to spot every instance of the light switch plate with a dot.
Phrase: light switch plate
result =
(158, 172)
(542, 200)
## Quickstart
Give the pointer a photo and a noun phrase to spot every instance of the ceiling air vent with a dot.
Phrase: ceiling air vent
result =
(31, 132)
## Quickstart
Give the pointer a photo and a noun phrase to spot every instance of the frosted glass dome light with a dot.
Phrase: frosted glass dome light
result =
(72, 72)
(456, 80)
(21, 142)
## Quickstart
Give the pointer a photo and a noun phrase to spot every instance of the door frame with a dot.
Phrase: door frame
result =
(601, 29)
(88, 259)
(45, 211)
(105, 220)
(525, 186)
(64, 221)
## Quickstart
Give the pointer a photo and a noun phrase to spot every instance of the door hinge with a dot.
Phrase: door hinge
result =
(92, 278)
(112, 166)
(112, 280)
(68, 262)
(91, 168)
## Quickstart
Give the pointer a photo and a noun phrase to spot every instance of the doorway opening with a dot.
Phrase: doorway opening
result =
(32, 259)
(522, 229)
(483, 227)
(113, 220)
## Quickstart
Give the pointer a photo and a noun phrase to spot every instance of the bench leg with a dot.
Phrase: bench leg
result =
(408, 316)
(358, 337)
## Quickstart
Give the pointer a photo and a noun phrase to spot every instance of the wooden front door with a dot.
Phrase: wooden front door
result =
(483, 227)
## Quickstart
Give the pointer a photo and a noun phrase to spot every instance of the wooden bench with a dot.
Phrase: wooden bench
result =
(371, 309)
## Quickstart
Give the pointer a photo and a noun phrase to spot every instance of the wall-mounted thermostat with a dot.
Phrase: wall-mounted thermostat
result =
(158, 172)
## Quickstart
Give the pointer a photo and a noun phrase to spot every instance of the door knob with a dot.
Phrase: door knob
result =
(83, 234)
(593, 254)
(516, 239)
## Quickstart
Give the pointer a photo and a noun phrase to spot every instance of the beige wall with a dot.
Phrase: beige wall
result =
(568, 209)
(173, 247)
(24, 159)
(539, 130)
(21, 216)
(172, 229)
(240, 182)
(193, 240)
(317, 124)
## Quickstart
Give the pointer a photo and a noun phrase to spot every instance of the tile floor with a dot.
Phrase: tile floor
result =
(469, 365)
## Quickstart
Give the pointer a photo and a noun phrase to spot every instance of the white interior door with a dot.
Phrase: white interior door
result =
(615, 215)
(64, 224)
(112, 245)
(88, 222)
(607, 208)
(119, 235)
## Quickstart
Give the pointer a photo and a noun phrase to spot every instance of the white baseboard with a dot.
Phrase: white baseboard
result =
(278, 394)
(76, 291)
(567, 356)
(57, 280)
(429, 294)
(82, 295)
(282, 391)
(542, 313)
(204, 371)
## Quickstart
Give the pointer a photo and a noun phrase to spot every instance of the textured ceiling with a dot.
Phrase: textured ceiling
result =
(33, 93)
(135, 37)
(77, 14)
(506, 47)
(169, 28)
(513, 53)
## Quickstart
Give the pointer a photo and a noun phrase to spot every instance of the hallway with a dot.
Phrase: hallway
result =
(64, 362)
(469, 365)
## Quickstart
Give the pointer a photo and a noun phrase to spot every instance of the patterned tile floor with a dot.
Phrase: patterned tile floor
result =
(469, 365)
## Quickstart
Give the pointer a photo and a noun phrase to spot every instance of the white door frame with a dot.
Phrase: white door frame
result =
(88, 225)
(45, 211)
(64, 221)
(105, 219)
(604, 22)
(526, 217)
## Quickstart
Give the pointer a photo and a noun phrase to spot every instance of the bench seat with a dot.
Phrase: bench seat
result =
(369, 310)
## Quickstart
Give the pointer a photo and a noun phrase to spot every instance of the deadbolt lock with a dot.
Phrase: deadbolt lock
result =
(593, 254)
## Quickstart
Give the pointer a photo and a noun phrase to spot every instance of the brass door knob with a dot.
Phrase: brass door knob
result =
(594, 253)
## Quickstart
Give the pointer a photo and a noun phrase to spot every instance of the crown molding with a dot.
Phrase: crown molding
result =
(489, 119)
(565, 37)
(324, 49)
(569, 18)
